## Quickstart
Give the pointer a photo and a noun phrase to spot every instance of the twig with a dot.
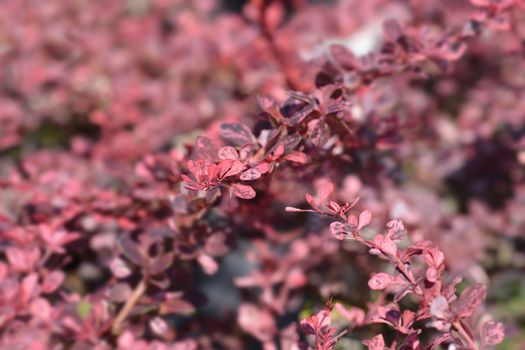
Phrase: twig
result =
(133, 299)
(465, 335)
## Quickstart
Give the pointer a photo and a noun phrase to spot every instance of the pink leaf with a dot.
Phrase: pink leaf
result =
(392, 30)
(492, 333)
(41, 309)
(311, 200)
(340, 230)
(208, 264)
(297, 157)
(469, 300)
(228, 152)
(296, 278)
(119, 268)
(52, 281)
(381, 281)
(243, 191)
(237, 134)
(352, 220)
(159, 326)
(439, 307)
(229, 167)
(324, 190)
(354, 314)
(264, 167)
(250, 175)
(376, 343)
(385, 244)
(297, 210)
(257, 322)
(364, 219)
(396, 229)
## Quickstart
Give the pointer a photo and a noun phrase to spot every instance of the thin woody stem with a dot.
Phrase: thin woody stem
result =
(465, 336)
(132, 301)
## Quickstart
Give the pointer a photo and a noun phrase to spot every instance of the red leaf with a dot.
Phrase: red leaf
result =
(243, 191)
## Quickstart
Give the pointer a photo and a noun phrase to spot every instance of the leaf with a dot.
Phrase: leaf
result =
(352, 220)
(84, 309)
(250, 175)
(343, 56)
(237, 134)
(131, 250)
(159, 326)
(264, 167)
(208, 264)
(229, 167)
(119, 292)
(492, 333)
(324, 190)
(354, 314)
(289, 143)
(469, 300)
(119, 268)
(392, 30)
(340, 230)
(301, 115)
(243, 191)
(396, 229)
(228, 152)
(388, 246)
(439, 307)
(52, 281)
(381, 281)
(376, 343)
(157, 265)
(205, 149)
(320, 132)
(270, 107)
(175, 304)
(256, 321)
(297, 157)
(364, 219)
(311, 200)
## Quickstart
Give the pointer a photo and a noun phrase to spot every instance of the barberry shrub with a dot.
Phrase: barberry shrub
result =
(263, 174)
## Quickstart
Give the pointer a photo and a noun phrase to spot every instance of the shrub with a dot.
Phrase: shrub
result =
(158, 160)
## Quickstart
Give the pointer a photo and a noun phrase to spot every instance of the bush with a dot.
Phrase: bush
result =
(293, 175)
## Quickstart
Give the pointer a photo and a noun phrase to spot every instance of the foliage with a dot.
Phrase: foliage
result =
(177, 176)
